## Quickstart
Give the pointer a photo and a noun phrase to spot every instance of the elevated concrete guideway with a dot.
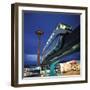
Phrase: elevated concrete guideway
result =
(68, 42)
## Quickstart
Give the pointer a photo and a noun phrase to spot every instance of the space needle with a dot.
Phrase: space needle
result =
(39, 33)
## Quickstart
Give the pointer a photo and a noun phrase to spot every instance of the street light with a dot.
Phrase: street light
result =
(39, 33)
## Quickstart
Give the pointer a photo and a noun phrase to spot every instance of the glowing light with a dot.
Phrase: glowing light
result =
(62, 26)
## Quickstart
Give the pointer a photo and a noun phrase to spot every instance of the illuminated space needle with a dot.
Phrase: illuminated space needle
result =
(39, 33)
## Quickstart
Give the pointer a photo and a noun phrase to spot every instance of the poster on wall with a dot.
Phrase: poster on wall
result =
(49, 44)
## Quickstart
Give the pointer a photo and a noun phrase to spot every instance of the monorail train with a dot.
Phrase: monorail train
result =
(63, 42)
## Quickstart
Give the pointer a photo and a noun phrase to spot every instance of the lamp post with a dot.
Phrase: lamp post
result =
(39, 33)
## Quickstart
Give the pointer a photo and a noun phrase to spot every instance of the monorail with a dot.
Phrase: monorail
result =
(62, 43)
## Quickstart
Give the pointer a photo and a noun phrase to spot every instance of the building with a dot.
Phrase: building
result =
(63, 45)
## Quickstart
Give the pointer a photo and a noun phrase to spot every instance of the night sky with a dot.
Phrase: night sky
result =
(46, 21)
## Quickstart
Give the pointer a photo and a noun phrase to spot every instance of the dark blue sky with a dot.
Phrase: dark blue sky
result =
(46, 21)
